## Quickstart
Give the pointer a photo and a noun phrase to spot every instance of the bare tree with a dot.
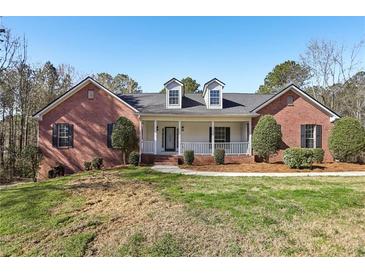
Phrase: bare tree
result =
(8, 48)
(330, 68)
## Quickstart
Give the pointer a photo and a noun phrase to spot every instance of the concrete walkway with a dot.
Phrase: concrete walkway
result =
(177, 170)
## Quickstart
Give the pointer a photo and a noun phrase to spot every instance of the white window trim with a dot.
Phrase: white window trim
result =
(210, 97)
(59, 135)
(178, 97)
(314, 135)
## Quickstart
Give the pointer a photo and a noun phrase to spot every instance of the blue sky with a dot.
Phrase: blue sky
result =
(240, 51)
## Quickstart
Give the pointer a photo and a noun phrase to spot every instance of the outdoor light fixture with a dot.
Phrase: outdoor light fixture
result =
(182, 128)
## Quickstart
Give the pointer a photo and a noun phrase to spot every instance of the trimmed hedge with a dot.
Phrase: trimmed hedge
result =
(97, 163)
(219, 155)
(318, 155)
(266, 137)
(134, 158)
(189, 157)
(301, 157)
(347, 139)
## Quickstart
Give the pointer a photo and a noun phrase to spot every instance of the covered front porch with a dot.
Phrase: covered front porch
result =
(168, 136)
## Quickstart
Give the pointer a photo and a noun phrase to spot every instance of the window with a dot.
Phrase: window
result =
(290, 100)
(214, 97)
(62, 135)
(90, 94)
(309, 136)
(219, 134)
(109, 131)
(173, 97)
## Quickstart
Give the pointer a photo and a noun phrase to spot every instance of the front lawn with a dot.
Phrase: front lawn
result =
(139, 212)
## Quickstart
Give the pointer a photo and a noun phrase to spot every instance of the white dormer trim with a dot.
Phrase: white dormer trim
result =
(174, 84)
(209, 86)
(212, 81)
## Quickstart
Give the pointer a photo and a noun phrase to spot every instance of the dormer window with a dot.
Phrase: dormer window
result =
(213, 94)
(174, 97)
(174, 93)
(214, 97)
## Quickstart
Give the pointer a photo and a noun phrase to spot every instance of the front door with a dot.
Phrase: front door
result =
(170, 138)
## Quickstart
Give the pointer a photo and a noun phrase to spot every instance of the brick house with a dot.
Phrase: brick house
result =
(77, 126)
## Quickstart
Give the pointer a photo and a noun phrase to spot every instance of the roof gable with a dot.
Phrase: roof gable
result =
(74, 90)
(302, 93)
(211, 81)
(174, 80)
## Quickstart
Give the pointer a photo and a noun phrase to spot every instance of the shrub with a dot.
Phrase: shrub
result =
(299, 157)
(318, 155)
(347, 139)
(134, 158)
(59, 170)
(266, 138)
(56, 171)
(87, 165)
(124, 136)
(33, 155)
(97, 163)
(189, 157)
(219, 154)
(51, 173)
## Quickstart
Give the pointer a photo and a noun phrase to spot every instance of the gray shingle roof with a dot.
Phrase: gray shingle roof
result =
(193, 104)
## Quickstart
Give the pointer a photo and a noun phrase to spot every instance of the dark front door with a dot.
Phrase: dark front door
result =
(170, 139)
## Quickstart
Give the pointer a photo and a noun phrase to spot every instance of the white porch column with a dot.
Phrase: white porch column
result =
(179, 142)
(140, 140)
(213, 137)
(155, 137)
(250, 136)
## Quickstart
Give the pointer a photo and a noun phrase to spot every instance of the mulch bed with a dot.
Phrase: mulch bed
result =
(277, 167)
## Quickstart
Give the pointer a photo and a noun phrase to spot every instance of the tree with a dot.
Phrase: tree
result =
(331, 66)
(190, 85)
(266, 137)
(33, 155)
(283, 74)
(124, 136)
(347, 139)
(350, 100)
(120, 83)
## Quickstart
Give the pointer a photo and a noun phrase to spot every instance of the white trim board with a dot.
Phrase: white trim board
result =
(300, 92)
(74, 90)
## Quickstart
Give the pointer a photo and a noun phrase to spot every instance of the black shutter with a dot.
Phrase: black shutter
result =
(210, 134)
(163, 137)
(109, 135)
(228, 134)
(70, 135)
(55, 135)
(318, 136)
(302, 135)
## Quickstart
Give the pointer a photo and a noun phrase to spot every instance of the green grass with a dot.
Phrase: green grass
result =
(262, 216)
(254, 202)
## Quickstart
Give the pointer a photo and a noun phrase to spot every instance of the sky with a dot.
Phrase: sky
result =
(239, 51)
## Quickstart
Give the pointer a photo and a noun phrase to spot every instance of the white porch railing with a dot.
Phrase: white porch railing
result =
(148, 146)
(233, 147)
(205, 148)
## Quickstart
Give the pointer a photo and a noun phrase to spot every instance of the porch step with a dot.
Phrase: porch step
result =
(166, 160)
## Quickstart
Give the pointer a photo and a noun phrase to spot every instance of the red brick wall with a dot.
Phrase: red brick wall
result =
(90, 119)
(291, 117)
